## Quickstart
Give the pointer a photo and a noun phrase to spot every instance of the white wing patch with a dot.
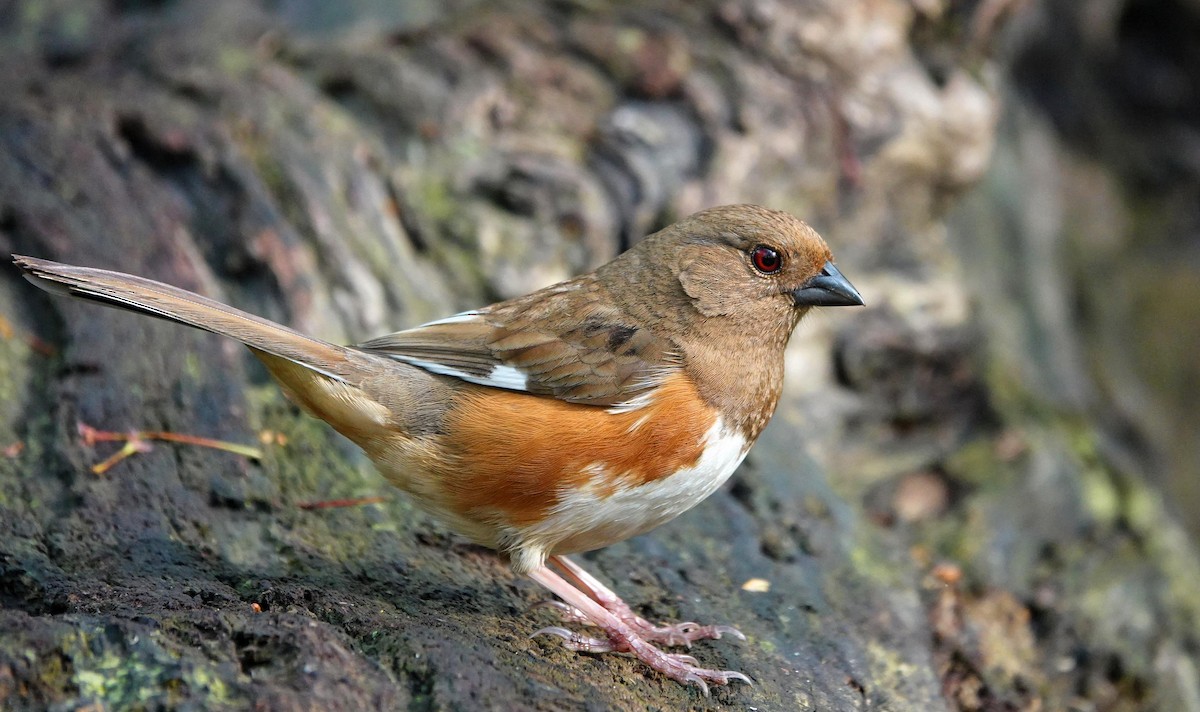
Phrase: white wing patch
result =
(454, 319)
(505, 377)
(501, 375)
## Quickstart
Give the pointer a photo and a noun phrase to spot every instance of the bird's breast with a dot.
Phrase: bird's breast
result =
(597, 514)
(560, 476)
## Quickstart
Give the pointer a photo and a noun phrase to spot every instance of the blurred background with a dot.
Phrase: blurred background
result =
(1092, 198)
(982, 492)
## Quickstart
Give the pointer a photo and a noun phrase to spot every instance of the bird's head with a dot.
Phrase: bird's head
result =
(748, 266)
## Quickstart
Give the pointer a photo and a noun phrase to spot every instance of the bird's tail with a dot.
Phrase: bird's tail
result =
(146, 296)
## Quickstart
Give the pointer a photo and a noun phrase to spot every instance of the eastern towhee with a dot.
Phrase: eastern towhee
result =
(568, 419)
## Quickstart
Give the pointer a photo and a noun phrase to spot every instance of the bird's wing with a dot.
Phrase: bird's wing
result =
(564, 341)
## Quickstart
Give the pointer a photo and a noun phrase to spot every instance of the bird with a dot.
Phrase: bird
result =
(565, 420)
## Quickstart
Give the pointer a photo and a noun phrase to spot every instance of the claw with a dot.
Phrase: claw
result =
(719, 630)
(563, 633)
(720, 677)
(685, 659)
(735, 675)
(577, 641)
(693, 679)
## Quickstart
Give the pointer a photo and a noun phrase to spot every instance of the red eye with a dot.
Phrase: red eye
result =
(766, 259)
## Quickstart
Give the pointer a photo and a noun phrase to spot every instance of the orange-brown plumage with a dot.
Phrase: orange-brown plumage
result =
(567, 419)
(552, 446)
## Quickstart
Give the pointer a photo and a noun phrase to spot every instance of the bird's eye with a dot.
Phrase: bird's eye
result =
(766, 259)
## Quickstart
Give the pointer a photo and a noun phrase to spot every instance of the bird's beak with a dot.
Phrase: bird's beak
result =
(828, 289)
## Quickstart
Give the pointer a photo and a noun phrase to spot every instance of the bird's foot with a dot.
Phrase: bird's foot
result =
(623, 639)
(589, 602)
(670, 634)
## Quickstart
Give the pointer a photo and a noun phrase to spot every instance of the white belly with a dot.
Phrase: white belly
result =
(596, 516)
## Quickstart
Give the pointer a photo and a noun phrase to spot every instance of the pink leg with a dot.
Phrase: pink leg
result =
(668, 634)
(623, 638)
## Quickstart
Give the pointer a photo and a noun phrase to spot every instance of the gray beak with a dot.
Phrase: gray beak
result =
(828, 289)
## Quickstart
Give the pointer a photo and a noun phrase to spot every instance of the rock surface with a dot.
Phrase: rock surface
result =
(936, 529)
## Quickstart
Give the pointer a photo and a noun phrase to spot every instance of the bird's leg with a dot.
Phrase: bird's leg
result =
(668, 634)
(620, 637)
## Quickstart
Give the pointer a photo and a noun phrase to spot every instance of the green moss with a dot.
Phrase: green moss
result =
(960, 538)
(128, 671)
(889, 669)
(33, 12)
(193, 368)
(1107, 495)
(976, 464)
(1010, 396)
(1100, 496)
(316, 464)
(15, 372)
(869, 560)
(24, 421)
(433, 193)
(273, 175)
(201, 678)
(236, 61)
(76, 23)
(307, 464)
(91, 685)
(1167, 543)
